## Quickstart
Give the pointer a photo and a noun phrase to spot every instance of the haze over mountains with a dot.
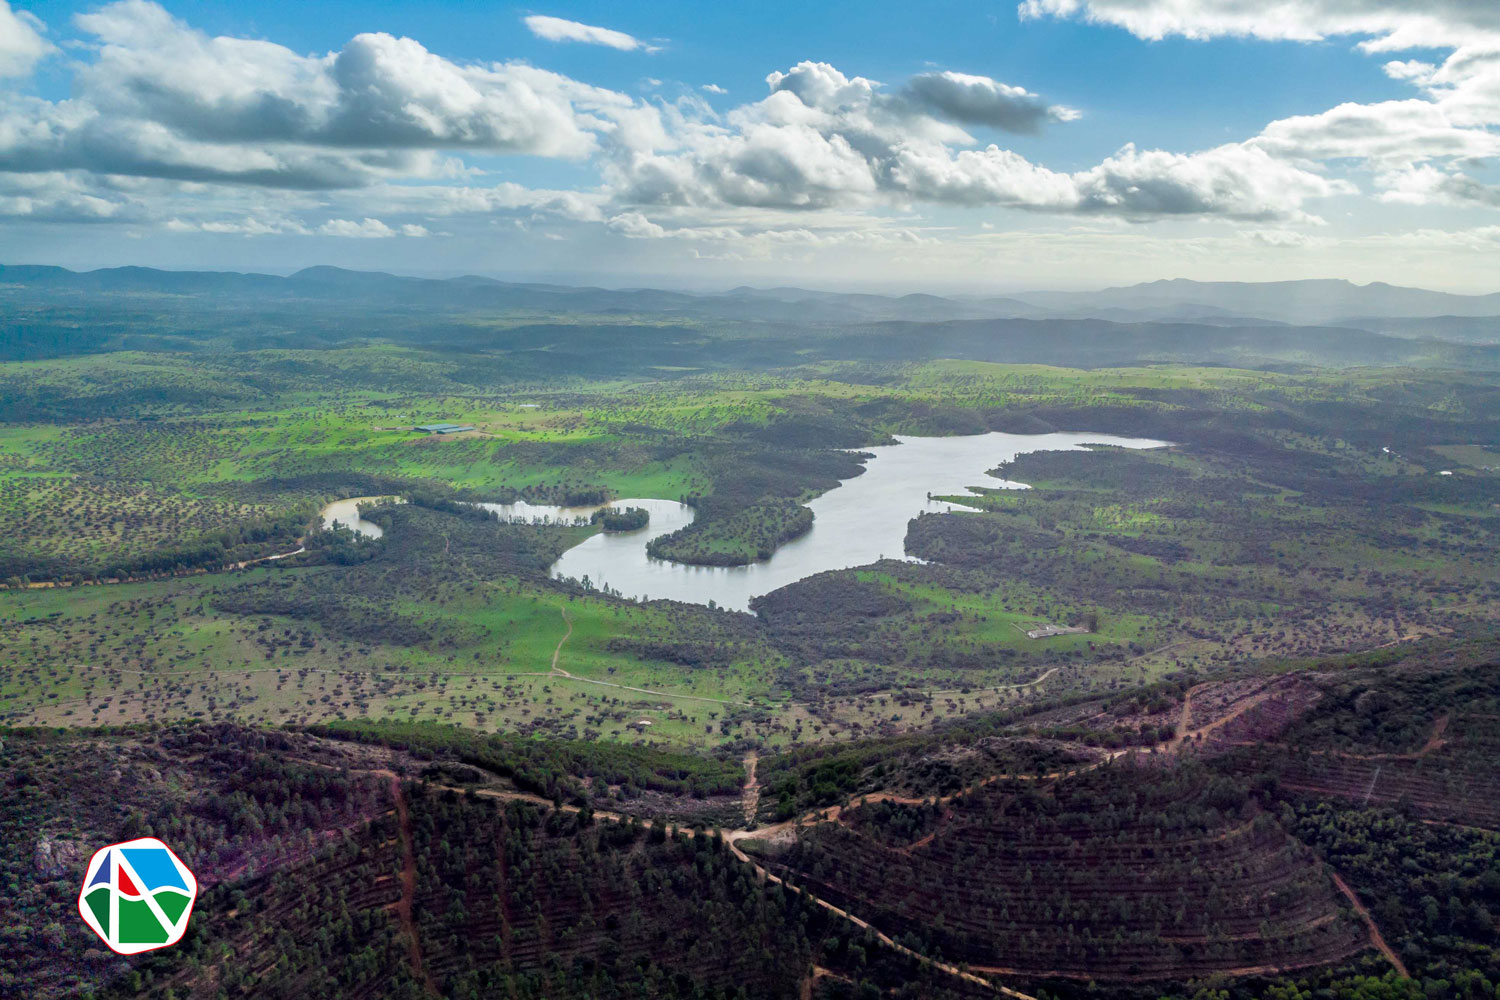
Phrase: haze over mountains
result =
(1376, 307)
(50, 312)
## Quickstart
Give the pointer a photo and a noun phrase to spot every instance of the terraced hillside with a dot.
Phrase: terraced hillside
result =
(564, 907)
(237, 805)
(1128, 872)
(1427, 743)
(323, 871)
(416, 861)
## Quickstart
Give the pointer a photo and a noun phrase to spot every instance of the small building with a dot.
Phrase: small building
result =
(1046, 630)
(443, 428)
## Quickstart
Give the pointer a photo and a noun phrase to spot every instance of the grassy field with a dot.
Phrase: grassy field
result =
(197, 454)
(168, 654)
(1257, 538)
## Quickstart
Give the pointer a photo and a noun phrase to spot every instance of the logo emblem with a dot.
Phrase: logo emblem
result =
(137, 896)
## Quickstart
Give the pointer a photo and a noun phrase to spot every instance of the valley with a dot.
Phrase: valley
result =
(924, 675)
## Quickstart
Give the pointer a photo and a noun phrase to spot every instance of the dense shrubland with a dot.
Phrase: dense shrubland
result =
(556, 769)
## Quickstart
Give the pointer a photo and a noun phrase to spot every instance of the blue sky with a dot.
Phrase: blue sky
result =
(950, 146)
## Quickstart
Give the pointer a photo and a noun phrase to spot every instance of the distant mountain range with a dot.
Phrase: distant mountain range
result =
(1377, 307)
(1310, 301)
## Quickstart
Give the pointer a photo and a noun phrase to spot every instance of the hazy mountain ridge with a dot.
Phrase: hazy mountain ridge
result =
(1095, 343)
(1300, 322)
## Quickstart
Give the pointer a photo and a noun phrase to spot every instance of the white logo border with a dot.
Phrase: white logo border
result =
(175, 931)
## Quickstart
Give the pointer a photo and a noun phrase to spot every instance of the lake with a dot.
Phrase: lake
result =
(346, 513)
(860, 521)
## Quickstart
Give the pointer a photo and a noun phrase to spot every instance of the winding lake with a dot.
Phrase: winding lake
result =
(346, 513)
(860, 521)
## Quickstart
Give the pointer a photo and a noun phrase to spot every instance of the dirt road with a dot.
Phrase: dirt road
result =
(409, 888)
(1376, 938)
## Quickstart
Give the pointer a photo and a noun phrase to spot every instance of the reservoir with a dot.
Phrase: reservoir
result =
(346, 513)
(858, 522)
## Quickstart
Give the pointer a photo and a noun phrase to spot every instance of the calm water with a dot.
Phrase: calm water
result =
(346, 512)
(862, 520)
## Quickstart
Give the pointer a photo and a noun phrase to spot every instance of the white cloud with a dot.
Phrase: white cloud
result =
(379, 138)
(1416, 148)
(822, 139)
(368, 229)
(634, 225)
(263, 225)
(58, 197)
(1233, 181)
(21, 43)
(1384, 134)
(378, 92)
(980, 100)
(1410, 69)
(1389, 25)
(164, 100)
(1278, 237)
(1427, 185)
(246, 226)
(557, 29)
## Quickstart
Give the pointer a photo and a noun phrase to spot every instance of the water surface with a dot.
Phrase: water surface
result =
(346, 513)
(860, 521)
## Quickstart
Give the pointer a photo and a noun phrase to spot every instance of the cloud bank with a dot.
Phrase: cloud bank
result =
(169, 127)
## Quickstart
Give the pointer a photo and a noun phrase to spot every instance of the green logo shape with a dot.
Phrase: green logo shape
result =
(137, 896)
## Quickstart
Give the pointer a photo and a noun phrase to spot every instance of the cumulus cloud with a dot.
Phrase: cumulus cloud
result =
(557, 29)
(377, 92)
(822, 139)
(634, 225)
(1389, 24)
(21, 43)
(40, 136)
(245, 226)
(980, 100)
(234, 135)
(1390, 132)
(1417, 147)
(164, 100)
(58, 197)
(368, 229)
(1232, 181)
(714, 88)
(1424, 185)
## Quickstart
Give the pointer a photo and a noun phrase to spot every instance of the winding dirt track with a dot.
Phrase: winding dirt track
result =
(557, 671)
(409, 888)
(566, 636)
(409, 866)
(1376, 938)
(750, 794)
(831, 814)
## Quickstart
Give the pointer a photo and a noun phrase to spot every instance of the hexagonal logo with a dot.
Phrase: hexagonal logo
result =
(137, 896)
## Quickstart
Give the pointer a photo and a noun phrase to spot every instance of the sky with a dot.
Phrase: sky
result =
(943, 146)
